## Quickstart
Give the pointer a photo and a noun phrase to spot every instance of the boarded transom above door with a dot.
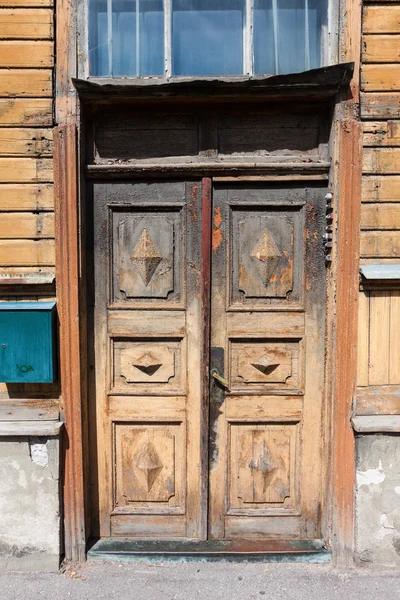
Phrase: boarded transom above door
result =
(243, 458)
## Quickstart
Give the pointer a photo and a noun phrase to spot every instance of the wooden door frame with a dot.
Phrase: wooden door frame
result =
(342, 295)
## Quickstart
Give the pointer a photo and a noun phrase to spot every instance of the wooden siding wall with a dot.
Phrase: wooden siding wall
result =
(26, 144)
(27, 242)
(379, 308)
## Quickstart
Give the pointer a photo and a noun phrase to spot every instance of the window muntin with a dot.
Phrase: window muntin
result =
(140, 38)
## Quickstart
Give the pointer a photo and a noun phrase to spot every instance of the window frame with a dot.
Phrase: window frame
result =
(330, 49)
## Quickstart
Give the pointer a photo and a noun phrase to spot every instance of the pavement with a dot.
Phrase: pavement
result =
(103, 580)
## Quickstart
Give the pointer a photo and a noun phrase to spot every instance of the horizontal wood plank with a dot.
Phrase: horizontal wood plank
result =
(29, 410)
(26, 142)
(18, 253)
(381, 133)
(28, 54)
(30, 428)
(380, 106)
(381, 160)
(19, 170)
(380, 216)
(378, 400)
(26, 225)
(381, 19)
(26, 112)
(16, 271)
(381, 188)
(24, 197)
(29, 83)
(385, 78)
(380, 244)
(25, 3)
(381, 49)
(26, 23)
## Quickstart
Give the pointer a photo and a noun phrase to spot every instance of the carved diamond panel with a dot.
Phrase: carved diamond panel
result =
(148, 461)
(262, 465)
(153, 365)
(266, 256)
(146, 257)
(146, 365)
(275, 363)
(147, 261)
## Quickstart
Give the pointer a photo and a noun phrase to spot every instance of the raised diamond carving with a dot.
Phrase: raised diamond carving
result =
(148, 465)
(146, 257)
(266, 255)
(264, 366)
(147, 364)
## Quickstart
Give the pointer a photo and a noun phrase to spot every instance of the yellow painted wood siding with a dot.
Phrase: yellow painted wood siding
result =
(26, 137)
(379, 309)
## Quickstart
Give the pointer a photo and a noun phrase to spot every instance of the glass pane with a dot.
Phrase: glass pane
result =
(120, 44)
(288, 35)
(207, 37)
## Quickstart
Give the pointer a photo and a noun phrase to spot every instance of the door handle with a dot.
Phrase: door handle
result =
(220, 379)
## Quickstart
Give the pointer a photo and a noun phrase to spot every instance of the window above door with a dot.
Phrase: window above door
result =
(205, 38)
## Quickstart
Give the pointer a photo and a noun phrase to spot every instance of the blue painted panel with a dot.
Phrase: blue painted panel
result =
(27, 342)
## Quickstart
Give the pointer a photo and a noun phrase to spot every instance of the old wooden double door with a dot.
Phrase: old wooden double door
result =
(209, 312)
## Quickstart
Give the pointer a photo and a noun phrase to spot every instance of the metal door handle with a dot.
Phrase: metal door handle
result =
(219, 378)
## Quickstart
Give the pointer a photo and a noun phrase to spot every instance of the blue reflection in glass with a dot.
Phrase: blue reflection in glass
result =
(124, 45)
(207, 37)
(288, 35)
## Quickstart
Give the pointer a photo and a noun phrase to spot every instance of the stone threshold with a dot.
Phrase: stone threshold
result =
(133, 550)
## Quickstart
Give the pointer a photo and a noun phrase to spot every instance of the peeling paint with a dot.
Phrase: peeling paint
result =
(371, 476)
(38, 453)
(217, 236)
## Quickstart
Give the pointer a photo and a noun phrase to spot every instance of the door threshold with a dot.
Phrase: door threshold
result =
(134, 550)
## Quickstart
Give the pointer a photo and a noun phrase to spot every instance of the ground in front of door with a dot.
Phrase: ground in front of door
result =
(142, 581)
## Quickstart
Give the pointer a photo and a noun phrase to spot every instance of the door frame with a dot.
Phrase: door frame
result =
(342, 300)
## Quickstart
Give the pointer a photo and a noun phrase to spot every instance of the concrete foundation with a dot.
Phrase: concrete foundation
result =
(378, 501)
(29, 503)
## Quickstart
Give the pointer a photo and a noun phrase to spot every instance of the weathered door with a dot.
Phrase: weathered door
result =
(154, 422)
(267, 341)
(147, 326)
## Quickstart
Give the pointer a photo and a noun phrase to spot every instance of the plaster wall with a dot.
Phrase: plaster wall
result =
(378, 501)
(29, 503)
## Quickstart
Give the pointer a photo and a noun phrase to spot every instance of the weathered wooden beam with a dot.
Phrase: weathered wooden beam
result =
(348, 181)
(25, 23)
(381, 161)
(14, 196)
(378, 400)
(381, 19)
(26, 253)
(381, 133)
(380, 216)
(24, 53)
(72, 376)
(381, 188)
(26, 112)
(26, 170)
(26, 225)
(380, 244)
(26, 142)
(380, 106)
(381, 49)
(28, 83)
(384, 78)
